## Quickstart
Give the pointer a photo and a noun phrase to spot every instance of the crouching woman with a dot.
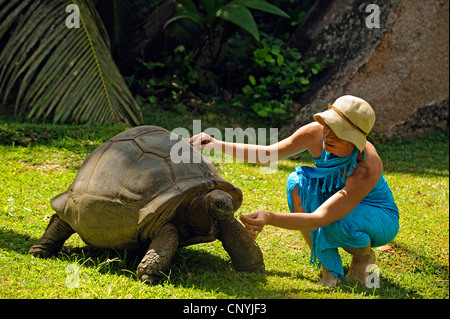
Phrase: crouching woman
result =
(344, 201)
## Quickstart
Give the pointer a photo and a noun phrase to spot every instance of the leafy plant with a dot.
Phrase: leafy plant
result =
(277, 76)
(207, 25)
(284, 28)
(170, 80)
(52, 71)
(236, 12)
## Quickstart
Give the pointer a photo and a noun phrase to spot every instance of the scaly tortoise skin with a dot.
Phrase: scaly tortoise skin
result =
(129, 194)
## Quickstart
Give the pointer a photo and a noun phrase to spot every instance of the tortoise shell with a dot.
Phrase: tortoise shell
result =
(129, 187)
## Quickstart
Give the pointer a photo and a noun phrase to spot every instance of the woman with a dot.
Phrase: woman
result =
(344, 201)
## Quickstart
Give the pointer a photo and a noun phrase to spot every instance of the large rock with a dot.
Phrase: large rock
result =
(400, 68)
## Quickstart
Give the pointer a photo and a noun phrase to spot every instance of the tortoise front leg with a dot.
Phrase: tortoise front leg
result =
(159, 255)
(244, 252)
(56, 233)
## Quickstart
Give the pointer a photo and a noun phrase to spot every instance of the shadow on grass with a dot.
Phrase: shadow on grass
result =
(77, 138)
(387, 289)
(423, 262)
(422, 157)
(200, 269)
(190, 267)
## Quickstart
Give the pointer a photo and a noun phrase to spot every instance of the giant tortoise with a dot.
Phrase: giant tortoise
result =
(130, 194)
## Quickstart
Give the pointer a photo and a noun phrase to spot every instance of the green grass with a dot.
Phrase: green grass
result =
(39, 161)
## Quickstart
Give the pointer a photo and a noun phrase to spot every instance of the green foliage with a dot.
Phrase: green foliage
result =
(214, 61)
(266, 79)
(52, 71)
(277, 76)
(284, 28)
(169, 81)
(204, 28)
(236, 12)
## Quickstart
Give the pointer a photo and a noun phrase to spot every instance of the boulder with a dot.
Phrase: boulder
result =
(397, 61)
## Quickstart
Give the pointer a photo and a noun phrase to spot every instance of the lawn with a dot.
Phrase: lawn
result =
(39, 161)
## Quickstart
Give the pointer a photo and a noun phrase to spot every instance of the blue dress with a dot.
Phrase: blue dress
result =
(374, 220)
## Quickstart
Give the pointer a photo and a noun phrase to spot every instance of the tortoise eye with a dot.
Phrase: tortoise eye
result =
(218, 203)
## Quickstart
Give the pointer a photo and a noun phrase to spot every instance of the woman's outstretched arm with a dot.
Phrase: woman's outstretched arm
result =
(308, 137)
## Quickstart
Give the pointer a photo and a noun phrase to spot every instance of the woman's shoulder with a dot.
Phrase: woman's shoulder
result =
(312, 128)
(307, 137)
(371, 152)
(314, 138)
(370, 161)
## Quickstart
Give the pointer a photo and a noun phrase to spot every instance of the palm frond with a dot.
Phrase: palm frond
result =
(52, 71)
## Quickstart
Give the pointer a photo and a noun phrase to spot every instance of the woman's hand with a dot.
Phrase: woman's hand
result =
(202, 140)
(255, 222)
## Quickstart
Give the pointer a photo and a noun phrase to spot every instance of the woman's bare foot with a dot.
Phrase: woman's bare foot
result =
(328, 278)
(358, 268)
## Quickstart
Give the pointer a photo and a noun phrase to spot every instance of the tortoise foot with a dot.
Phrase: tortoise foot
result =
(41, 251)
(159, 255)
(244, 252)
(151, 280)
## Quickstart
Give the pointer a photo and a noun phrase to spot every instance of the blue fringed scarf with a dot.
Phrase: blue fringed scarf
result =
(317, 184)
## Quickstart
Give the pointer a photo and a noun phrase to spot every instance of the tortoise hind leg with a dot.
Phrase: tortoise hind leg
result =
(56, 233)
(244, 252)
(159, 255)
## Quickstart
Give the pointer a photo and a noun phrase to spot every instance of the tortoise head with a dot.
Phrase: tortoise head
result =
(220, 204)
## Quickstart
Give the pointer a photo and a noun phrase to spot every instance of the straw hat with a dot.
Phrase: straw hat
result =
(351, 119)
